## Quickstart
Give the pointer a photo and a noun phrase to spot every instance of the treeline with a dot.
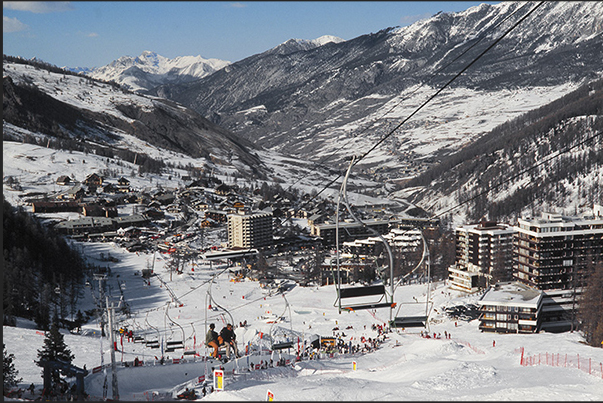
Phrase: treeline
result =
(42, 275)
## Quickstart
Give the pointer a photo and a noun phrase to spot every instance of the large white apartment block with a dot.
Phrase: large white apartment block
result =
(480, 249)
(554, 252)
(250, 230)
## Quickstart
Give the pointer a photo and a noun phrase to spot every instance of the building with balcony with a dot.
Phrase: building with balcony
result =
(554, 252)
(398, 239)
(481, 250)
(348, 231)
(250, 230)
(510, 307)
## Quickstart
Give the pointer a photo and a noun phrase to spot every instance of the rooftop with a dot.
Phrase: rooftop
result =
(512, 293)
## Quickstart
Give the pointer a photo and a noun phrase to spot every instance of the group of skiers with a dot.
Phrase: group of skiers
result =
(426, 335)
(127, 333)
(226, 337)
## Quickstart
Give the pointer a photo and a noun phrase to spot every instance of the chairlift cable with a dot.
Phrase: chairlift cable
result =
(482, 35)
(439, 91)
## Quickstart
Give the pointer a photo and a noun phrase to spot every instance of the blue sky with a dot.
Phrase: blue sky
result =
(94, 33)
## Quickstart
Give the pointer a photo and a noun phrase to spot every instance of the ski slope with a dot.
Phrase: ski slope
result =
(406, 366)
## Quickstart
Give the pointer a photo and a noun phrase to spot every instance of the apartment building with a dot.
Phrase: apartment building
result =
(348, 231)
(398, 239)
(554, 252)
(250, 230)
(481, 249)
(510, 307)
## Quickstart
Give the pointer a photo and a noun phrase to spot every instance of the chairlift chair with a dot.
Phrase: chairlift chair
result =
(356, 301)
(417, 320)
(357, 294)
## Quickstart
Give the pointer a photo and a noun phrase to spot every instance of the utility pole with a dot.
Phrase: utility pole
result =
(110, 309)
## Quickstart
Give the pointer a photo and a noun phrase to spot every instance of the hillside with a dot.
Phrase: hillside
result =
(76, 109)
(325, 103)
(550, 159)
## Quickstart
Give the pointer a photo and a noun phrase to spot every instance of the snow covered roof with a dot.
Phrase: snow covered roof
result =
(512, 293)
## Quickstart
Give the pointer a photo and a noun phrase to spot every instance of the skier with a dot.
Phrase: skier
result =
(229, 338)
(211, 339)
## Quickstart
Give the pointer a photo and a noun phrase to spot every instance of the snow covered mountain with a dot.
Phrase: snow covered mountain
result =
(295, 45)
(150, 70)
(325, 103)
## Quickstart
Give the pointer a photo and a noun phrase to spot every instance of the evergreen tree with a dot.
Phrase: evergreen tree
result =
(54, 349)
(9, 373)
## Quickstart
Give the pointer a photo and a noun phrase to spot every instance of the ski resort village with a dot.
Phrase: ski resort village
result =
(414, 214)
(165, 263)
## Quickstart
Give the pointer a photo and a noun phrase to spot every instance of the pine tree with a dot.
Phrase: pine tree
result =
(54, 349)
(9, 373)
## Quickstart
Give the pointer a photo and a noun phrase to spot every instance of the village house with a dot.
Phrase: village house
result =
(223, 190)
(95, 210)
(123, 185)
(93, 180)
(77, 192)
(55, 206)
(63, 180)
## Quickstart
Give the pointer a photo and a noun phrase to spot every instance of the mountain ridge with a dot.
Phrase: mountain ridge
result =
(304, 101)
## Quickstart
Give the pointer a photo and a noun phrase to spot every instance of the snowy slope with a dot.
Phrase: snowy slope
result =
(75, 107)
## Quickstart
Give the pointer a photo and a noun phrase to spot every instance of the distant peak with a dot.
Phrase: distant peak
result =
(327, 38)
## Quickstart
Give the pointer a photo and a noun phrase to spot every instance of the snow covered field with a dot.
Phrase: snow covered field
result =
(405, 367)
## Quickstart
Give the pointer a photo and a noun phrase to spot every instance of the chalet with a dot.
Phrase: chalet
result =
(123, 185)
(131, 199)
(198, 183)
(55, 206)
(223, 189)
(95, 210)
(85, 225)
(216, 215)
(165, 199)
(200, 205)
(154, 204)
(93, 179)
(75, 193)
(174, 208)
(132, 220)
(63, 180)
(109, 188)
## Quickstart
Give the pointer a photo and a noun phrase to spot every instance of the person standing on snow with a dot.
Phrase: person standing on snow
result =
(211, 339)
